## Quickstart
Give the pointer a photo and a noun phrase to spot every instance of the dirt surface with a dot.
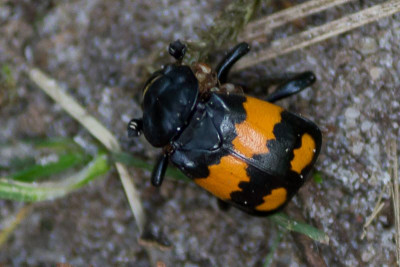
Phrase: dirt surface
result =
(102, 51)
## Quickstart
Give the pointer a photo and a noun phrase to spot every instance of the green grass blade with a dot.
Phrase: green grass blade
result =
(318, 178)
(268, 259)
(303, 228)
(18, 163)
(131, 161)
(138, 163)
(97, 130)
(33, 192)
(58, 144)
(8, 230)
(37, 172)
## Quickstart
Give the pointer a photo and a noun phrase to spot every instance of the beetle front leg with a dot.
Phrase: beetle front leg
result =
(292, 86)
(230, 59)
(135, 127)
(158, 173)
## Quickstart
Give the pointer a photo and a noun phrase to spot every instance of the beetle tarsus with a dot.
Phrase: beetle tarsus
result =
(230, 59)
(177, 50)
(292, 86)
(135, 127)
(158, 174)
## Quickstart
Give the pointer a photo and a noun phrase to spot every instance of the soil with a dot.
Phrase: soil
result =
(102, 51)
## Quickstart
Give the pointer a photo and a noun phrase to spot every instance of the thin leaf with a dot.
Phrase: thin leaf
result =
(320, 33)
(58, 144)
(6, 76)
(37, 172)
(303, 228)
(268, 259)
(16, 163)
(98, 130)
(259, 28)
(33, 192)
(138, 163)
(8, 230)
(318, 178)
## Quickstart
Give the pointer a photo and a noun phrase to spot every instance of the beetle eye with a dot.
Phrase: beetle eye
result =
(150, 82)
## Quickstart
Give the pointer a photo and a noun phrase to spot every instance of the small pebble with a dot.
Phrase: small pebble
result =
(365, 126)
(368, 46)
(375, 73)
(352, 113)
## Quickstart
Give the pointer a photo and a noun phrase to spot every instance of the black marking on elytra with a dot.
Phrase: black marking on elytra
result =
(252, 192)
(261, 184)
(303, 126)
(276, 171)
(209, 134)
(214, 123)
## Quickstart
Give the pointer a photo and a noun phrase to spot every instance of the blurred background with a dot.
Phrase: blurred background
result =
(62, 200)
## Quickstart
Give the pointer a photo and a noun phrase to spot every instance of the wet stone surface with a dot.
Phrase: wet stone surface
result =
(101, 52)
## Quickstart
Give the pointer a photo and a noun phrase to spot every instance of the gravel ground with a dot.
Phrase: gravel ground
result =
(101, 51)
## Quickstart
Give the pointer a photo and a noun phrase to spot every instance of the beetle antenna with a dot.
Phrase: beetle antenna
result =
(177, 50)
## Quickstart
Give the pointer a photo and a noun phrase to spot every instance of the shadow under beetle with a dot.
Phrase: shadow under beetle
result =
(249, 153)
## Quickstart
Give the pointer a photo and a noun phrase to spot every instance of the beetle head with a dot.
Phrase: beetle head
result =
(169, 98)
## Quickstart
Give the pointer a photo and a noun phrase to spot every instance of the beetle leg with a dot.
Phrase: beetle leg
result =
(177, 50)
(292, 86)
(223, 205)
(230, 59)
(158, 173)
(135, 127)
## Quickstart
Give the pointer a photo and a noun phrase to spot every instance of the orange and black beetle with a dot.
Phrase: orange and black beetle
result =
(245, 151)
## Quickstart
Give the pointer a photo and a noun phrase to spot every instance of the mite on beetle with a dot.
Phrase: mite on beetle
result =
(247, 152)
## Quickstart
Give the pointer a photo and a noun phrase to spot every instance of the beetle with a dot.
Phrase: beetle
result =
(249, 153)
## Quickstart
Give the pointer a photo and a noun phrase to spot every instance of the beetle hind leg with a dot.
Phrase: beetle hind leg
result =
(292, 86)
